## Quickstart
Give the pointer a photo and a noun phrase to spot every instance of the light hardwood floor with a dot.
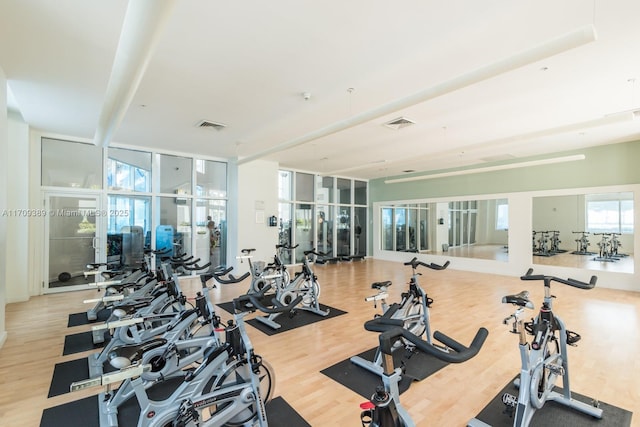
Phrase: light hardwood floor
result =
(605, 365)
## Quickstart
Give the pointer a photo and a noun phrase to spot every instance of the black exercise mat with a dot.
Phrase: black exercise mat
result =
(84, 413)
(83, 341)
(77, 319)
(66, 373)
(418, 366)
(301, 318)
(280, 413)
(555, 414)
(79, 413)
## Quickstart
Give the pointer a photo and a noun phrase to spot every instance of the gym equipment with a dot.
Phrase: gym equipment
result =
(137, 322)
(304, 285)
(167, 356)
(261, 273)
(229, 387)
(123, 283)
(545, 358)
(616, 245)
(554, 246)
(582, 244)
(548, 243)
(606, 248)
(384, 408)
(412, 313)
(160, 297)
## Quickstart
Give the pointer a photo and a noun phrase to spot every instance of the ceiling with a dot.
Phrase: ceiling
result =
(450, 67)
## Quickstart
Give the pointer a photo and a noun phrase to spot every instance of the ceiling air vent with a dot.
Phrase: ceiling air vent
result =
(399, 123)
(210, 125)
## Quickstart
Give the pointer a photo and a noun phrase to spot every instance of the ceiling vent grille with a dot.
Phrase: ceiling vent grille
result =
(399, 123)
(210, 125)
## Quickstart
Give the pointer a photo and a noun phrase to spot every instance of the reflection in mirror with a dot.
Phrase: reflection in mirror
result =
(589, 231)
(470, 228)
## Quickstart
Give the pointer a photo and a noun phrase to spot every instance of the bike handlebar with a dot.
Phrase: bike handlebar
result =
(414, 263)
(286, 246)
(571, 282)
(460, 352)
(313, 252)
(195, 267)
(230, 279)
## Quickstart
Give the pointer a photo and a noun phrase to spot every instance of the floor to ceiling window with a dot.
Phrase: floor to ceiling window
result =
(325, 213)
(139, 200)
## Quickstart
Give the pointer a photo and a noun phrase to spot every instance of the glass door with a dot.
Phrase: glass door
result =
(72, 231)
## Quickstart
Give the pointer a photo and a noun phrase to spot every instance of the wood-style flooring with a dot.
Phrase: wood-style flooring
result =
(605, 365)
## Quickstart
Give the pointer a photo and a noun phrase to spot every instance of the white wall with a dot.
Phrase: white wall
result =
(17, 199)
(4, 161)
(257, 201)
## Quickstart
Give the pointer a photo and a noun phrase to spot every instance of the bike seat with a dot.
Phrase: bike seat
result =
(126, 355)
(130, 308)
(110, 274)
(378, 285)
(521, 299)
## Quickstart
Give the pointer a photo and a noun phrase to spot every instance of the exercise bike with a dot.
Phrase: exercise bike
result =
(582, 243)
(162, 298)
(384, 409)
(264, 274)
(412, 314)
(229, 387)
(121, 284)
(132, 327)
(545, 358)
(304, 285)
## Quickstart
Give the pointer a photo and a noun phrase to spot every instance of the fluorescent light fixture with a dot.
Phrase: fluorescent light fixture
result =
(490, 168)
(545, 50)
(351, 169)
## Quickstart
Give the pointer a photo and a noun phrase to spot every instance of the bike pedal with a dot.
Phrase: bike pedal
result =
(556, 369)
(573, 338)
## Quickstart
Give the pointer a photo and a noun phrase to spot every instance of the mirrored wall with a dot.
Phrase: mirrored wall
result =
(592, 231)
(459, 228)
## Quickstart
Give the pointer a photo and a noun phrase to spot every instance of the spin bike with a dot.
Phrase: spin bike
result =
(134, 324)
(545, 358)
(161, 298)
(412, 314)
(263, 274)
(229, 387)
(384, 408)
(582, 243)
(121, 284)
(304, 285)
